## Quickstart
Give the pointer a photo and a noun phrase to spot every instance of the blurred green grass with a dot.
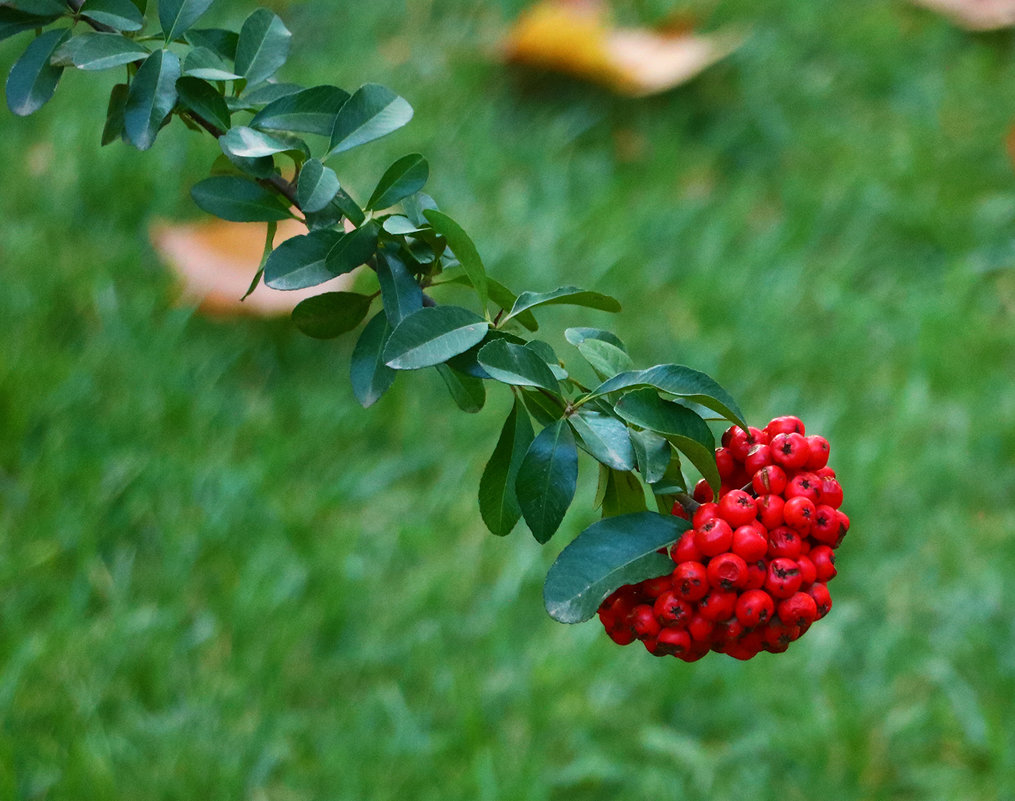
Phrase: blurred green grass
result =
(220, 578)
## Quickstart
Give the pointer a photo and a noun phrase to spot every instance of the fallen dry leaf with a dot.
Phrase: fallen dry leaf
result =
(975, 15)
(215, 261)
(580, 39)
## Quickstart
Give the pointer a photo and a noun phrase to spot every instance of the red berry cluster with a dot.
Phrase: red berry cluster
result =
(752, 573)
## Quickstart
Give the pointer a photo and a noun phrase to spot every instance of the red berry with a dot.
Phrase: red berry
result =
(726, 634)
(843, 525)
(758, 456)
(799, 514)
(673, 641)
(717, 605)
(713, 538)
(784, 577)
(808, 572)
(826, 525)
(804, 485)
(737, 508)
(757, 575)
(740, 442)
(819, 449)
(704, 513)
(777, 636)
(726, 463)
(644, 621)
(771, 510)
(754, 607)
(824, 562)
(790, 451)
(678, 510)
(621, 634)
(727, 571)
(671, 610)
(769, 480)
(822, 598)
(654, 587)
(700, 628)
(784, 541)
(684, 549)
(831, 492)
(750, 542)
(703, 492)
(799, 609)
(784, 425)
(690, 581)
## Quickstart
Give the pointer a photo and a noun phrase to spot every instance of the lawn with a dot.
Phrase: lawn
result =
(220, 578)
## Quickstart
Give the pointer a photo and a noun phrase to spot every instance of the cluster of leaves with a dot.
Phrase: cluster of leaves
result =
(638, 425)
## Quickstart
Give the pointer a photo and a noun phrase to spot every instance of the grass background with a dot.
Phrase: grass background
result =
(222, 579)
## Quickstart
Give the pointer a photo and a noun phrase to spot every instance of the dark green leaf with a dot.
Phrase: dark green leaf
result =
(370, 376)
(316, 186)
(13, 21)
(622, 493)
(176, 16)
(605, 438)
(373, 111)
(467, 363)
(39, 8)
(578, 335)
(433, 335)
(606, 556)
(99, 51)
(353, 249)
(32, 80)
(113, 129)
(202, 100)
(464, 250)
(605, 358)
(220, 41)
(263, 46)
(686, 430)
(399, 291)
(122, 15)
(330, 314)
(545, 352)
(267, 93)
(238, 200)
(263, 167)
(547, 479)
(415, 205)
(349, 207)
(207, 64)
(310, 111)
(468, 393)
(499, 294)
(301, 261)
(328, 217)
(498, 503)
(151, 98)
(403, 178)
(250, 144)
(516, 365)
(570, 295)
(673, 479)
(545, 409)
(684, 382)
(652, 454)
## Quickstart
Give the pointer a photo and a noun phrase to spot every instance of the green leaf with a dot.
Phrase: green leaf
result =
(464, 250)
(546, 410)
(207, 64)
(686, 430)
(468, 393)
(202, 100)
(267, 93)
(330, 314)
(32, 80)
(39, 8)
(250, 144)
(416, 205)
(99, 51)
(219, 41)
(684, 382)
(578, 335)
(13, 21)
(545, 352)
(606, 556)
(349, 207)
(311, 111)
(113, 129)
(467, 362)
(263, 46)
(151, 98)
(570, 295)
(121, 15)
(403, 178)
(498, 293)
(516, 365)
(433, 335)
(605, 438)
(263, 167)
(353, 249)
(373, 111)
(547, 479)
(399, 291)
(605, 358)
(316, 187)
(652, 454)
(673, 479)
(176, 16)
(622, 493)
(397, 225)
(498, 503)
(301, 261)
(369, 375)
(238, 200)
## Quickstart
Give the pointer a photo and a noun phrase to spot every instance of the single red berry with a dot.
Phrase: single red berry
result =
(799, 514)
(799, 609)
(777, 636)
(771, 510)
(757, 575)
(674, 641)
(784, 577)
(787, 424)
(718, 605)
(690, 581)
(804, 485)
(703, 492)
(784, 541)
(822, 598)
(700, 628)
(831, 492)
(754, 607)
(820, 449)
(750, 645)
(769, 480)
(678, 510)
(825, 472)
(726, 463)
(825, 525)
(684, 549)
(824, 562)
(671, 610)
(622, 634)
(740, 442)
(694, 653)
(654, 587)
(750, 542)
(652, 646)
(737, 508)
(644, 622)
(790, 451)
(704, 513)
(843, 525)
(808, 572)
(727, 571)
(713, 538)
(758, 456)
(727, 633)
